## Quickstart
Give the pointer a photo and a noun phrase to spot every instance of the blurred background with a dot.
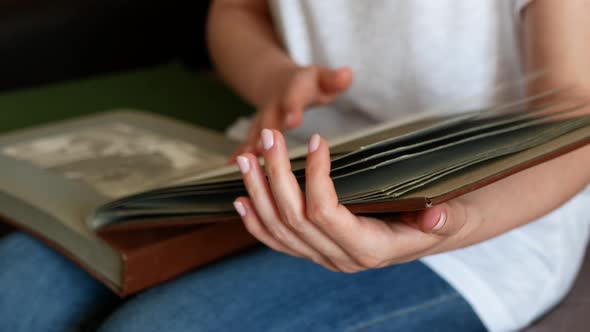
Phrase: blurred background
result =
(43, 41)
(66, 58)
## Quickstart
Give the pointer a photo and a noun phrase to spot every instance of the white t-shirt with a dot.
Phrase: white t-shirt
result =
(414, 55)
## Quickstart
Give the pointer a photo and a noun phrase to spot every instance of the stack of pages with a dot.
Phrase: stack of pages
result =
(401, 167)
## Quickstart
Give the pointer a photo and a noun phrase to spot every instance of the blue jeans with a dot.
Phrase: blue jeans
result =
(259, 290)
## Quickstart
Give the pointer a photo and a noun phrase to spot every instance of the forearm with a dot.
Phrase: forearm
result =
(245, 49)
(553, 34)
(526, 196)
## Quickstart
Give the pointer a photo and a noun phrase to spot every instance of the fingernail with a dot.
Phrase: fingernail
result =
(289, 119)
(243, 164)
(240, 208)
(314, 143)
(441, 222)
(267, 139)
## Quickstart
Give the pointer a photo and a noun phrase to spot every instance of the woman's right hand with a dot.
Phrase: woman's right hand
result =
(296, 90)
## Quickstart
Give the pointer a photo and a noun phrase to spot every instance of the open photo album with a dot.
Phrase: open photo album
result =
(136, 199)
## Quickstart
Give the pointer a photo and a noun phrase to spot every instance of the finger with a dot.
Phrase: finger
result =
(266, 117)
(299, 95)
(370, 242)
(271, 117)
(366, 241)
(249, 145)
(284, 187)
(305, 90)
(445, 219)
(312, 85)
(253, 224)
(290, 202)
(323, 207)
(241, 149)
(335, 81)
(263, 202)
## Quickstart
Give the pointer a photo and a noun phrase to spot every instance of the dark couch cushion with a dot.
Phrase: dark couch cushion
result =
(573, 314)
(44, 41)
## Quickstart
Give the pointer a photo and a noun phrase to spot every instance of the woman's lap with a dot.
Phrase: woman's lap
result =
(263, 290)
(257, 290)
(42, 291)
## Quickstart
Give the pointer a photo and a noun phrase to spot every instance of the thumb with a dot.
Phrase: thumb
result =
(314, 85)
(445, 219)
(335, 81)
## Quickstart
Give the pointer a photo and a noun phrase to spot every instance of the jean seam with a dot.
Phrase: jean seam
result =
(406, 311)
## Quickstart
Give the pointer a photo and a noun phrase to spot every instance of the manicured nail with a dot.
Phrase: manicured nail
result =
(441, 222)
(314, 143)
(240, 208)
(243, 164)
(288, 119)
(268, 139)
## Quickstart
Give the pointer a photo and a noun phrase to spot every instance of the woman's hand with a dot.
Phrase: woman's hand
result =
(294, 90)
(315, 226)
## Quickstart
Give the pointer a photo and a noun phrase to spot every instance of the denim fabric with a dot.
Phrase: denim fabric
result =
(263, 290)
(42, 291)
(259, 290)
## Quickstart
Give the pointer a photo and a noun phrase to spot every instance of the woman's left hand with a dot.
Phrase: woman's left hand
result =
(315, 226)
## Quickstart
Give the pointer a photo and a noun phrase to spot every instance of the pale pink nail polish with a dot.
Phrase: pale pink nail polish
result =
(243, 164)
(314, 143)
(289, 119)
(441, 222)
(240, 208)
(268, 139)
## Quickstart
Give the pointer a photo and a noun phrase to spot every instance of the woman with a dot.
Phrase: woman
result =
(494, 259)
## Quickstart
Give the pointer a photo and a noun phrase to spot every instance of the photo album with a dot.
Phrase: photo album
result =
(136, 199)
